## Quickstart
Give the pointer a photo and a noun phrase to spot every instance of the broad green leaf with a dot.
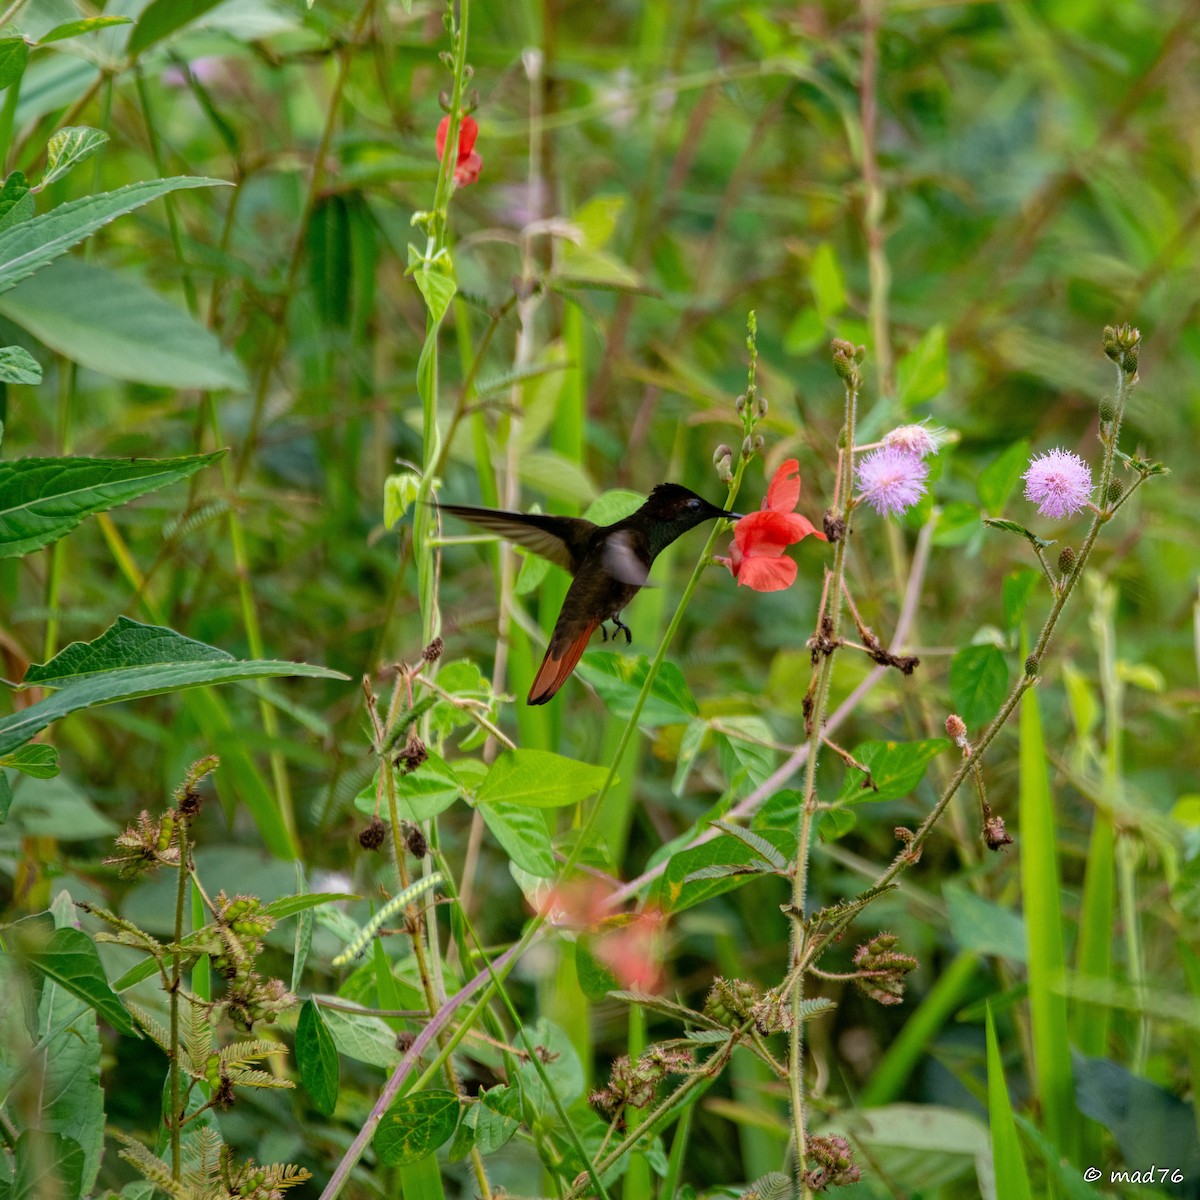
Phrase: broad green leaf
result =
(896, 769)
(46, 1164)
(436, 284)
(70, 29)
(596, 219)
(316, 1058)
(43, 498)
(415, 1126)
(681, 889)
(14, 54)
(921, 373)
(126, 662)
(499, 1117)
(982, 925)
(161, 18)
(118, 326)
(16, 200)
(978, 683)
(806, 332)
(1018, 589)
(71, 960)
(327, 241)
(560, 1059)
(835, 823)
(30, 245)
(618, 679)
(1008, 1162)
(539, 779)
(363, 1038)
(422, 793)
(523, 836)
(68, 147)
(71, 1098)
(399, 494)
(997, 480)
(17, 365)
(828, 288)
(557, 476)
(39, 762)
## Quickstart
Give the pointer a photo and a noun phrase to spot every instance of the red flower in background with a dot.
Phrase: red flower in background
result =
(756, 557)
(468, 164)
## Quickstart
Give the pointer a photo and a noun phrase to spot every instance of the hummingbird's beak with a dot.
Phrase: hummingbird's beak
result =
(732, 516)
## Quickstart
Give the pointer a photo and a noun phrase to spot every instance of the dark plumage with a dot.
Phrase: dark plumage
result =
(609, 562)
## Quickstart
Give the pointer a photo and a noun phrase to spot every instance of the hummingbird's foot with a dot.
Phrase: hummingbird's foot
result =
(621, 626)
(603, 632)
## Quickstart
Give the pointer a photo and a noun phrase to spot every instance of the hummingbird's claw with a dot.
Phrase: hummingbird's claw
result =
(621, 626)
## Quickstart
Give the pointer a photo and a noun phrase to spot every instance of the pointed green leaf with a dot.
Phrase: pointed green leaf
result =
(161, 18)
(539, 779)
(43, 498)
(896, 769)
(415, 1126)
(115, 324)
(16, 201)
(997, 480)
(70, 958)
(70, 29)
(523, 835)
(317, 1059)
(921, 373)
(17, 365)
(14, 54)
(68, 147)
(36, 761)
(29, 246)
(46, 1164)
(1014, 527)
(1012, 1179)
(128, 661)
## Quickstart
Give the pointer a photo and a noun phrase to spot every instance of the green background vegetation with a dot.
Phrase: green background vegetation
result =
(971, 190)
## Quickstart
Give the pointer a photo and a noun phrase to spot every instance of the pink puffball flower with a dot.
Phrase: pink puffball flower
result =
(892, 480)
(920, 440)
(1059, 483)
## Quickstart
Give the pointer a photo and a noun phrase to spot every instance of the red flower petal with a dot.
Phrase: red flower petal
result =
(765, 574)
(468, 169)
(765, 532)
(468, 131)
(784, 493)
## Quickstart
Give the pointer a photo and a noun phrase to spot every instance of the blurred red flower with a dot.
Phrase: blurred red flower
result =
(756, 556)
(469, 164)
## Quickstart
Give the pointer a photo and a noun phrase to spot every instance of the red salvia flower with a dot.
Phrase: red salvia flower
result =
(756, 556)
(468, 164)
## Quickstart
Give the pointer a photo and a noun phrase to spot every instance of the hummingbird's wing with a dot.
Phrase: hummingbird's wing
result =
(567, 644)
(625, 557)
(563, 540)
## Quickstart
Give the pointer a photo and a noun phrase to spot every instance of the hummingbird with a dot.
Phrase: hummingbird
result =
(609, 562)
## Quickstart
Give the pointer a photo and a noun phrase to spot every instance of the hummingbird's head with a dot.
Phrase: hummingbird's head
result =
(674, 510)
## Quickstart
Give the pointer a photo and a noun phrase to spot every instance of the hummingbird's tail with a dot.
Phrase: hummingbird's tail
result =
(558, 664)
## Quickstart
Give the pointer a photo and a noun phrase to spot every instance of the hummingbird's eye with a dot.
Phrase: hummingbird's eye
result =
(693, 504)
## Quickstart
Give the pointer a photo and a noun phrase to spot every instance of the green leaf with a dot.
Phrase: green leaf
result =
(539, 779)
(1012, 1179)
(363, 1038)
(289, 906)
(327, 240)
(415, 1126)
(161, 18)
(618, 679)
(127, 661)
(896, 769)
(68, 147)
(115, 324)
(422, 793)
(39, 762)
(16, 200)
(29, 246)
(560, 1059)
(399, 493)
(805, 333)
(921, 373)
(982, 925)
(436, 284)
(835, 823)
(828, 288)
(757, 843)
(46, 1164)
(1017, 590)
(523, 835)
(70, 958)
(14, 54)
(6, 797)
(498, 1119)
(997, 480)
(1013, 527)
(978, 683)
(682, 888)
(17, 365)
(316, 1059)
(70, 29)
(41, 499)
